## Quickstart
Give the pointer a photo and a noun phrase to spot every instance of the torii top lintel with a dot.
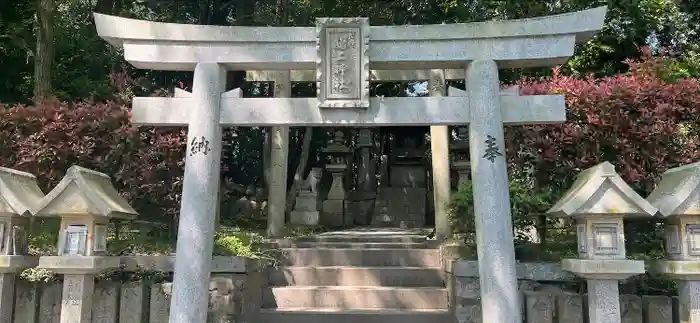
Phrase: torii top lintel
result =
(542, 41)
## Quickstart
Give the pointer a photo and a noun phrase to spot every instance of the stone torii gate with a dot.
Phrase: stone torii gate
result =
(343, 52)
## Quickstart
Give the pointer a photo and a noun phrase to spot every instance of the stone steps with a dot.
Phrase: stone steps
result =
(315, 315)
(360, 257)
(355, 297)
(365, 275)
(357, 276)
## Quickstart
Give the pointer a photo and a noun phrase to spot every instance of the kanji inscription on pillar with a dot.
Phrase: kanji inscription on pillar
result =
(199, 146)
(342, 66)
(491, 149)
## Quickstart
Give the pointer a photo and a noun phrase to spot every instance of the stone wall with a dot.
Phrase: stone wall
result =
(235, 294)
(549, 296)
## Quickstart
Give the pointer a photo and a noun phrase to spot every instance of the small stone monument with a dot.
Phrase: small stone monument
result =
(381, 216)
(677, 197)
(85, 201)
(306, 208)
(599, 200)
(19, 193)
(460, 148)
(334, 205)
(360, 202)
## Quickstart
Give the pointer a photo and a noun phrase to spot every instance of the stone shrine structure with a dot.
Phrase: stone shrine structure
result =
(598, 201)
(307, 205)
(85, 201)
(343, 55)
(677, 197)
(407, 190)
(19, 194)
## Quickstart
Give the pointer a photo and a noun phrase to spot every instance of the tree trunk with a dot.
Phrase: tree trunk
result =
(43, 59)
(299, 174)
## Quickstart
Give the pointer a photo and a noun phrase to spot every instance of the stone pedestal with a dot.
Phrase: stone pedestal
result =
(602, 278)
(463, 172)
(306, 208)
(406, 199)
(381, 216)
(78, 282)
(334, 206)
(406, 206)
(687, 275)
(76, 305)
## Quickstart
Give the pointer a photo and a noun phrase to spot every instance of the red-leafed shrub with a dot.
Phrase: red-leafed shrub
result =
(146, 164)
(637, 121)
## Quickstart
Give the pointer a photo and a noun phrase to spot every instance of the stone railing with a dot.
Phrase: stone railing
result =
(548, 296)
(235, 294)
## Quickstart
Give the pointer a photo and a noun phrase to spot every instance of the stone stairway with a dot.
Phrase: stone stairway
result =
(360, 275)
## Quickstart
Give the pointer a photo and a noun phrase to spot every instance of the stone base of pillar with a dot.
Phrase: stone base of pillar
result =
(305, 211)
(689, 301)
(604, 301)
(603, 276)
(687, 274)
(463, 172)
(76, 306)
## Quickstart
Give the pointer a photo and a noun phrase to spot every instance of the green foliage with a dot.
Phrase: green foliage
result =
(38, 275)
(526, 203)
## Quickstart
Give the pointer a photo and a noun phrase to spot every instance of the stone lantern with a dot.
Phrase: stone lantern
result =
(677, 196)
(598, 201)
(85, 201)
(19, 193)
(460, 150)
(334, 206)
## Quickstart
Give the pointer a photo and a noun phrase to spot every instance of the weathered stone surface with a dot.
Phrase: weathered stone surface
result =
(657, 309)
(468, 310)
(360, 211)
(391, 48)
(134, 304)
(78, 292)
(539, 307)
(159, 311)
(332, 213)
(411, 176)
(570, 308)
(26, 302)
(7, 295)
(406, 205)
(219, 264)
(631, 308)
(105, 304)
(525, 270)
(50, 303)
